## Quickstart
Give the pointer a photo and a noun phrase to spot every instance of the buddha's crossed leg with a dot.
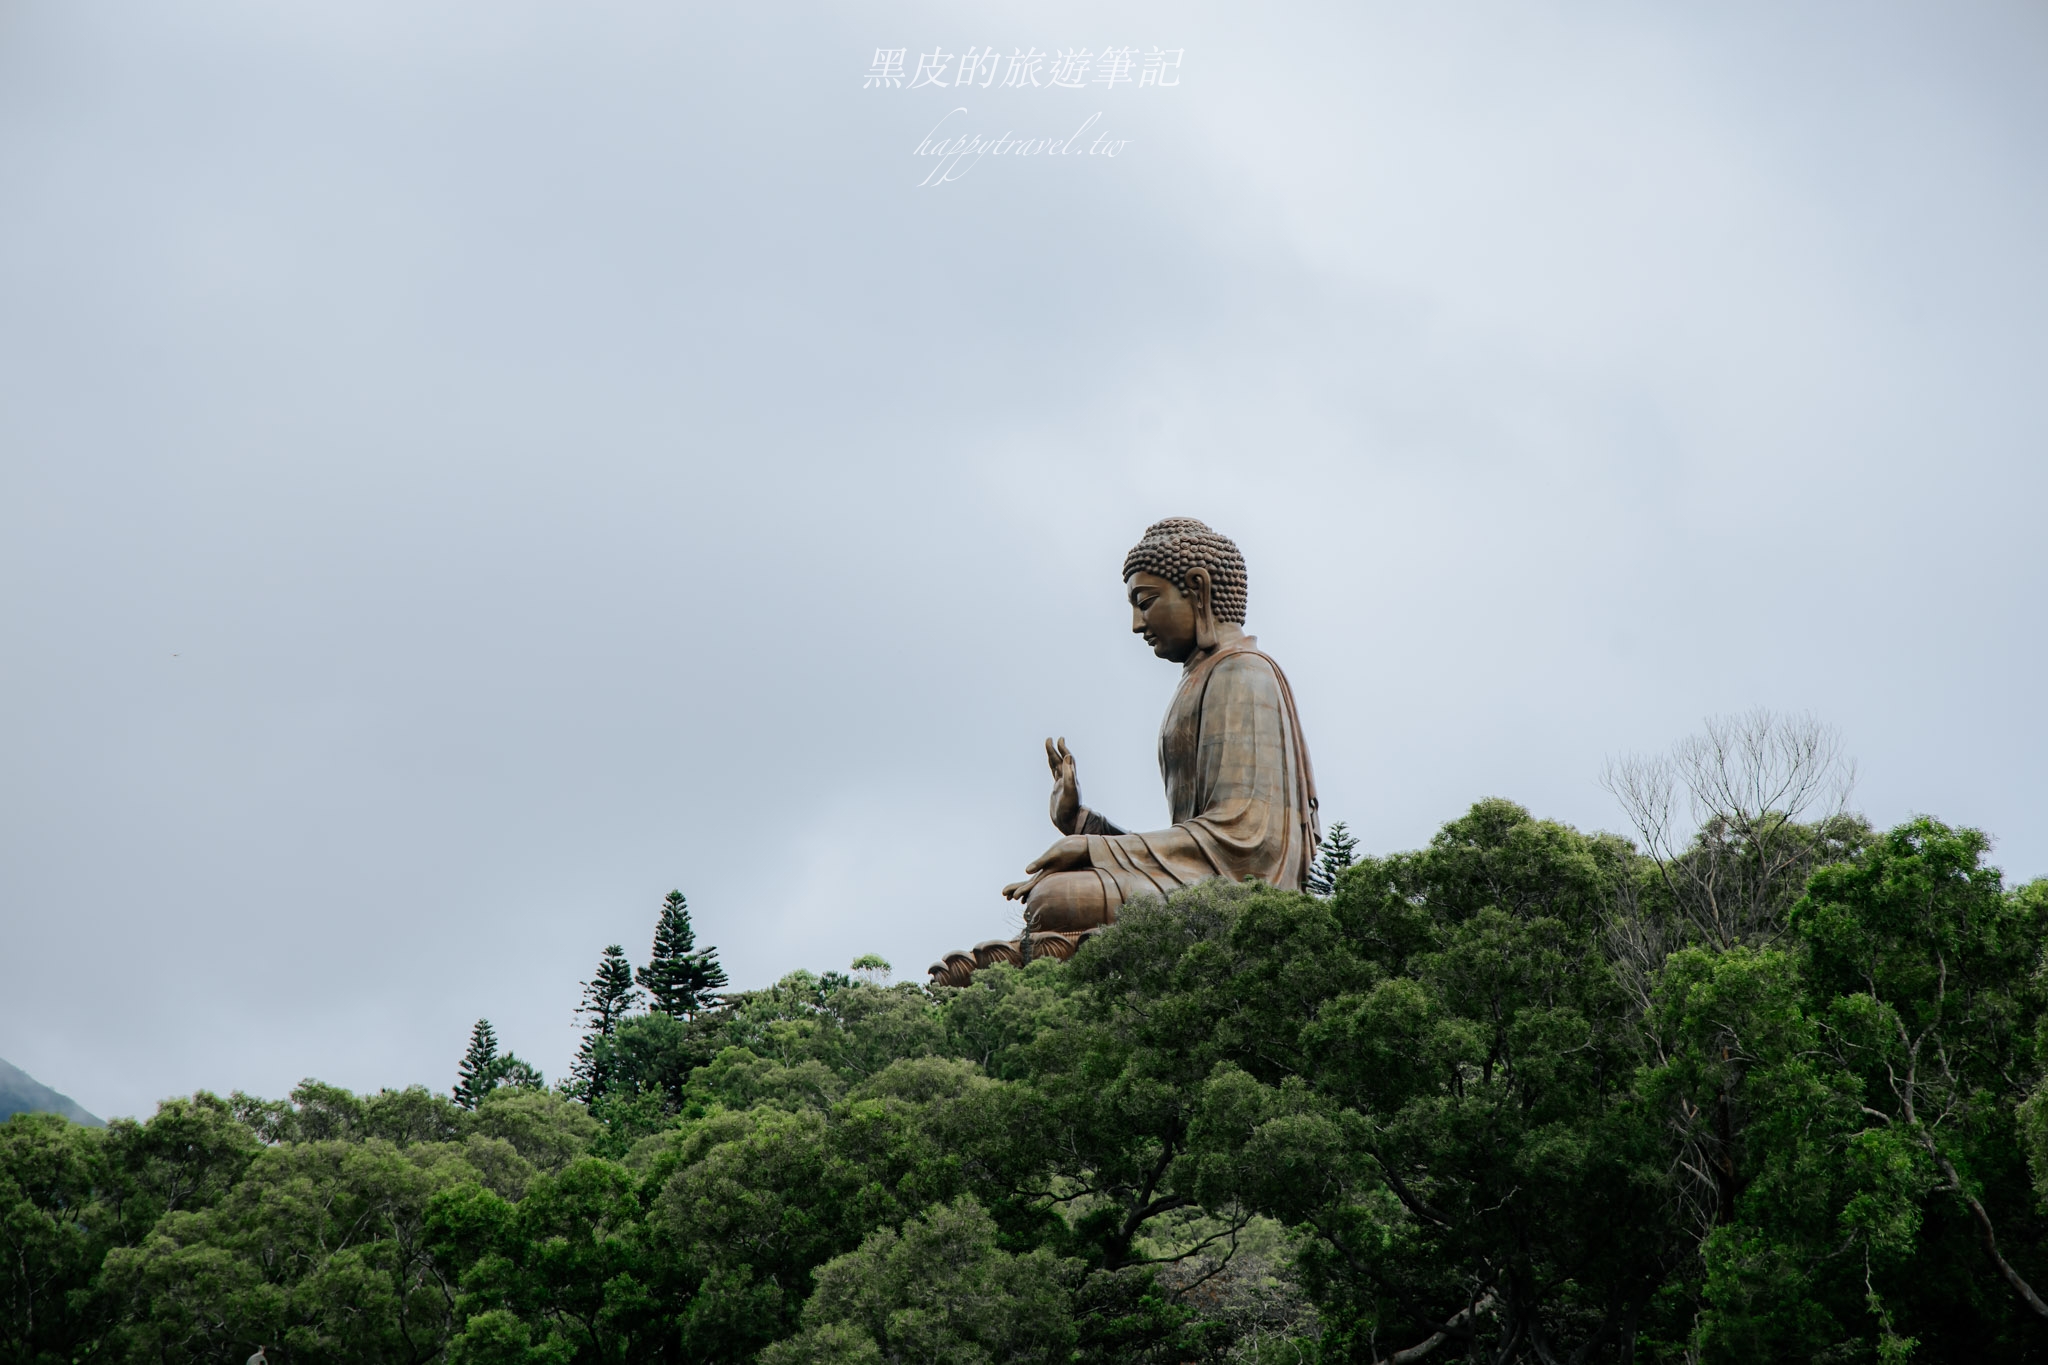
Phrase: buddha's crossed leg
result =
(1067, 903)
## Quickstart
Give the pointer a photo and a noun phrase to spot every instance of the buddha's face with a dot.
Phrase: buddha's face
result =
(1163, 614)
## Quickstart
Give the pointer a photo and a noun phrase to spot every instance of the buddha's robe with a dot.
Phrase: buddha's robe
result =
(1238, 783)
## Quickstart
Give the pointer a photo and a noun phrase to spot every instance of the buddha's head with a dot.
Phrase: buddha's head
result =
(1186, 586)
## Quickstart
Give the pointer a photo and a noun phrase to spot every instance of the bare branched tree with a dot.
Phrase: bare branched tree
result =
(1763, 800)
(1734, 819)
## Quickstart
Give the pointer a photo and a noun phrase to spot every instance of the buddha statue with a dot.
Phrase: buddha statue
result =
(1238, 781)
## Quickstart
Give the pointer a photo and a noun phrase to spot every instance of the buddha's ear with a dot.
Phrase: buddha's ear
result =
(1205, 614)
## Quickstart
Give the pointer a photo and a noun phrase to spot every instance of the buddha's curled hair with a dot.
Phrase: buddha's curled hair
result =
(1174, 546)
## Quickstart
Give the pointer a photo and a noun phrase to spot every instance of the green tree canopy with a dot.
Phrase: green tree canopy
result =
(1450, 1110)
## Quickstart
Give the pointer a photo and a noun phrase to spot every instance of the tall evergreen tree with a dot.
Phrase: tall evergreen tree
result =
(1339, 850)
(479, 1073)
(608, 997)
(679, 977)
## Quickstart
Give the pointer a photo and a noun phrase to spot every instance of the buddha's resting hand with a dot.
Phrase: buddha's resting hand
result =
(1066, 787)
(1066, 855)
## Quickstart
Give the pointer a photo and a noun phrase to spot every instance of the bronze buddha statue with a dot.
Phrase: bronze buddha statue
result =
(1237, 774)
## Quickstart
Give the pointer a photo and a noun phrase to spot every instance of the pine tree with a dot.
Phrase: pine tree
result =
(1339, 850)
(680, 979)
(608, 997)
(479, 1073)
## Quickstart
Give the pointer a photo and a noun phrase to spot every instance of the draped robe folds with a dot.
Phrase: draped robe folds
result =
(1238, 783)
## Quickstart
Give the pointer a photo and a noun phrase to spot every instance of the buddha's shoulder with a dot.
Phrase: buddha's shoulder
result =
(1247, 666)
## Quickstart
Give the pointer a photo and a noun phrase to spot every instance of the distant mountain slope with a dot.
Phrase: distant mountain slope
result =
(22, 1093)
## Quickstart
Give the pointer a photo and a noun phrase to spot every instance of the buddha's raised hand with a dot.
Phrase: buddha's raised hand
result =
(1066, 787)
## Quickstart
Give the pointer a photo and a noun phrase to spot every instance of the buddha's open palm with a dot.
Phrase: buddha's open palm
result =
(1066, 787)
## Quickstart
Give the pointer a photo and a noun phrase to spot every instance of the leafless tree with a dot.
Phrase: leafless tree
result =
(1735, 818)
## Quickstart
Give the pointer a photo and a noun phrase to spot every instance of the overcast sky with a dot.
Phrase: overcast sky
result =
(466, 469)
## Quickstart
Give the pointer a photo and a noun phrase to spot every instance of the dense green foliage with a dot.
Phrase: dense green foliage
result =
(1454, 1110)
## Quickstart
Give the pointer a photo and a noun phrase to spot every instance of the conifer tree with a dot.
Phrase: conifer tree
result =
(679, 977)
(1339, 850)
(479, 1073)
(608, 997)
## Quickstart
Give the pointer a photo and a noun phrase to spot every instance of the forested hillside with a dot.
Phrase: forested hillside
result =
(1772, 1094)
(21, 1093)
